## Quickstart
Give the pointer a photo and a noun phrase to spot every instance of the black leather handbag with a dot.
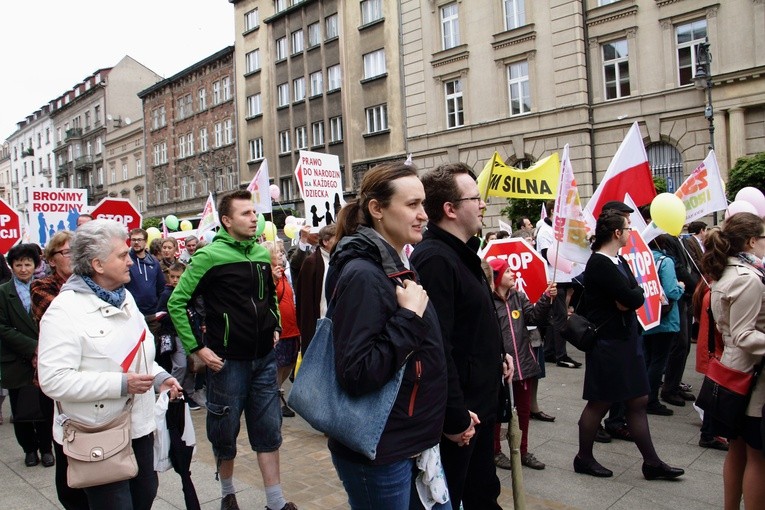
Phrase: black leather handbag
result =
(579, 332)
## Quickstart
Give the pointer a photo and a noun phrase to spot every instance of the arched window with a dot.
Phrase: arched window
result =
(667, 163)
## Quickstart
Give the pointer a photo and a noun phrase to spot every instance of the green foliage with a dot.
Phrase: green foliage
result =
(517, 208)
(660, 183)
(151, 222)
(747, 172)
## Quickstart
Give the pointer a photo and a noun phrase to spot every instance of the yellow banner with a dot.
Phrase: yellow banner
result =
(538, 182)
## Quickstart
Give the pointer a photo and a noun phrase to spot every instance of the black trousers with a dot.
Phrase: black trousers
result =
(678, 352)
(555, 345)
(70, 499)
(470, 470)
(37, 435)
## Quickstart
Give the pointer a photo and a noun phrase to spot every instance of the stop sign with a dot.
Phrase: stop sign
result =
(118, 209)
(640, 260)
(10, 227)
(529, 266)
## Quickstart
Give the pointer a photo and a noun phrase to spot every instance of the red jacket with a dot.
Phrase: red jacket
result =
(287, 309)
(701, 300)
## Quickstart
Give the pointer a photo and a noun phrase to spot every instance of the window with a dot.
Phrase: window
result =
(158, 118)
(163, 152)
(251, 20)
(450, 26)
(124, 171)
(377, 118)
(314, 34)
(286, 188)
(253, 105)
(182, 146)
(689, 36)
(298, 41)
(317, 83)
(374, 64)
(281, 48)
(139, 199)
(301, 140)
(226, 87)
(515, 14)
(330, 27)
(616, 69)
(216, 93)
(184, 105)
(280, 5)
(203, 140)
(317, 130)
(283, 94)
(138, 167)
(184, 187)
(666, 162)
(157, 159)
(455, 116)
(101, 169)
(202, 99)
(284, 142)
(518, 88)
(113, 174)
(298, 88)
(190, 144)
(371, 10)
(218, 129)
(333, 77)
(256, 149)
(336, 129)
(252, 61)
(606, 2)
(228, 132)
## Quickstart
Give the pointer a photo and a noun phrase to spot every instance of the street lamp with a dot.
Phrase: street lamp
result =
(703, 81)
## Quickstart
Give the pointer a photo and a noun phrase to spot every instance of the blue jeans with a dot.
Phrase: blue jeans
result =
(247, 386)
(135, 494)
(381, 487)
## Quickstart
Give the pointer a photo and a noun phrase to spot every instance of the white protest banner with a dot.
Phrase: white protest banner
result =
(54, 209)
(702, 192)
(321, 186)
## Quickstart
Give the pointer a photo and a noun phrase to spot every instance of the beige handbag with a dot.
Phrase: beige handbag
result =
(100, 454)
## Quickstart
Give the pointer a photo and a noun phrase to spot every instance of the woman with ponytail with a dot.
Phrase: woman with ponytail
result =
(733, 257)
(382, 321)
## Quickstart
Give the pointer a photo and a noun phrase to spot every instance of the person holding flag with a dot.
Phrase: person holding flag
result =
(96, 353)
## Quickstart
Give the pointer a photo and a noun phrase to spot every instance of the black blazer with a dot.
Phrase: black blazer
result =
(18, 339)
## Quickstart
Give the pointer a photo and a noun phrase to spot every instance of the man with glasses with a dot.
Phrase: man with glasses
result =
(450, 270)
(146, 278)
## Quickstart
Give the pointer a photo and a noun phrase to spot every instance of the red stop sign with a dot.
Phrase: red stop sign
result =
(118, 209)
(10, 227)
(529, 266)
(640, 259)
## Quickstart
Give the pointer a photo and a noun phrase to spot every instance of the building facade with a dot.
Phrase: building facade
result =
(5, 173)
(525, 78)
(319, 75)
(125, 163)
(189, 121)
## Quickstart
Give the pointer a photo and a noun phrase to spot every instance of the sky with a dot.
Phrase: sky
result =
(48, 46)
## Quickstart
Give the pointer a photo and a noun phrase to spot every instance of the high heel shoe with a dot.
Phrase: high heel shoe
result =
(592, 468)
(663, 470)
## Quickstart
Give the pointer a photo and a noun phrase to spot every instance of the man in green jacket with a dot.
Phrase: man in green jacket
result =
(233, 277)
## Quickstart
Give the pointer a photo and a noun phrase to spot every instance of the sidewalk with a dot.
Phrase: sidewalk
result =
(309, 479)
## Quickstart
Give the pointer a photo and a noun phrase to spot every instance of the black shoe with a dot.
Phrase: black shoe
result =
(601, 436)
(229, 502)
(622, 433)
(541, 416)
(685, 386)
(287, 412)
(288, 506)
(687, 396)
(659, 409)
(48, 460)
(714, 443)
(31, 459)
(661, 471)
(193, 404)
(567, 362)
(532, 462)
(673, 399)
(592, 468)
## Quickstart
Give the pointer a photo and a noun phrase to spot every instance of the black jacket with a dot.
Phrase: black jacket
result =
(451, 273)
(374, 337)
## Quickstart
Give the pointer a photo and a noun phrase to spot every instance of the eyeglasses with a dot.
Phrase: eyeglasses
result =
(625, 229)
(138, 240)
(63, 253)
(476, 198)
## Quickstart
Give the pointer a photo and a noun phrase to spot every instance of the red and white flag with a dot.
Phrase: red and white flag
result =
(569, 228)
(543, 212)
(259, 187)
(124, 353)
(628, 172)
(209, 217)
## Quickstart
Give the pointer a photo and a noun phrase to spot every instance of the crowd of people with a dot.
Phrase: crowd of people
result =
(233, 317)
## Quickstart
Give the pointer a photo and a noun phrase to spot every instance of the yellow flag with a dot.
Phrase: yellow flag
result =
(538, 182)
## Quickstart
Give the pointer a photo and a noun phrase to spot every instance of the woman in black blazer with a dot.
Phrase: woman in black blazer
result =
(615, 369)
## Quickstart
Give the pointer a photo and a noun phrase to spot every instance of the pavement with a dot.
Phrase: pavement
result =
(310, 481)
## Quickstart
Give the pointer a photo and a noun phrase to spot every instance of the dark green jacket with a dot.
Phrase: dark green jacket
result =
(240, 305)
(18, 339)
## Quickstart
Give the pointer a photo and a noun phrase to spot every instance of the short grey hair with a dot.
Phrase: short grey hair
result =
(93, 240)
(191, 238)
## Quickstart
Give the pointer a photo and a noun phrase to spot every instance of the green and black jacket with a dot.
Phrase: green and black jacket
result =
(240, 305)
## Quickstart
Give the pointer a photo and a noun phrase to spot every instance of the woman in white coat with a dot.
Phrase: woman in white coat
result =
(84, 361)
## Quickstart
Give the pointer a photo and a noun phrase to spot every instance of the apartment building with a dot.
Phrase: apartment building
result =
(86, 116)
(525, 78)
(320, 75)
(125, 162)
(5, 172)
(189, 121)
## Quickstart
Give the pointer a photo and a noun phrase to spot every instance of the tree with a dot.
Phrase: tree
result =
(151, 222)
(747, 172)
(517, 208)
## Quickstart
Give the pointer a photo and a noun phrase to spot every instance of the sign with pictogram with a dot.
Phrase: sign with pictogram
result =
(529, 266)
(118, 209)
(640, 259)
(10, 227)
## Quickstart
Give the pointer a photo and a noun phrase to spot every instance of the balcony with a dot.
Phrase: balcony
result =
(83, 162)
(45, 171)
(27, 152)
(72, 134)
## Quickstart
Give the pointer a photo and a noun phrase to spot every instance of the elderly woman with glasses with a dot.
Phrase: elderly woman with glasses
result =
(84, 337)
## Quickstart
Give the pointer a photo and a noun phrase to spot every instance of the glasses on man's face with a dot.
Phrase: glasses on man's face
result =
(137, 240)
(63, 253)
(477, 198)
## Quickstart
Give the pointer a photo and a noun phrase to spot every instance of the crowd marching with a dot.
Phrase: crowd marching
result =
(94, 327)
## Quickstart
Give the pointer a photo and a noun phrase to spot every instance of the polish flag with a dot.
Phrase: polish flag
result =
(124, 353)
(259, 188)
(628, 173)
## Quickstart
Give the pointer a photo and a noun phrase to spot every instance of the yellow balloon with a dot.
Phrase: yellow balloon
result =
(290, 230)
(668, 212)
(152, 233)
(269, 231)
(186, 225)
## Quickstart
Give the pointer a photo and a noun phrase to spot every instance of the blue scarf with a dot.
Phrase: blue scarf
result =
(113, 297)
